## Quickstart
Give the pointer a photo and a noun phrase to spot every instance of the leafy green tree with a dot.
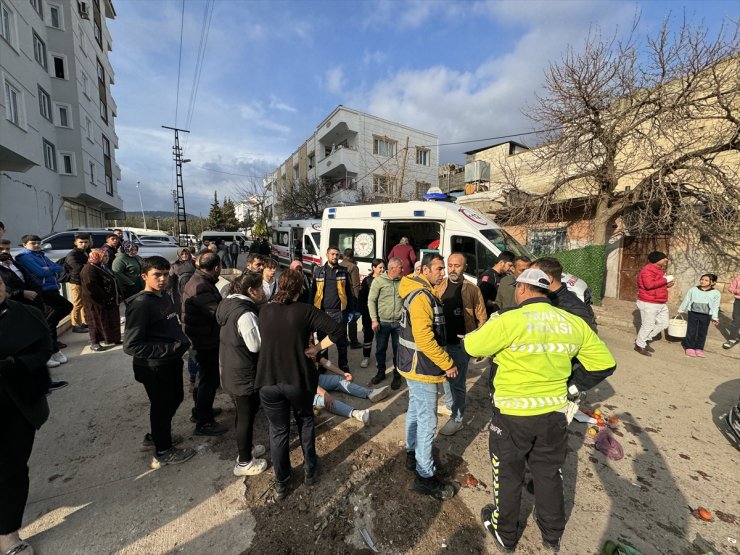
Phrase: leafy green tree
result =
(229, 212)
(216, 215)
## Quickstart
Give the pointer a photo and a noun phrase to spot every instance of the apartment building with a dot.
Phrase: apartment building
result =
(363, 158)
(57, 117)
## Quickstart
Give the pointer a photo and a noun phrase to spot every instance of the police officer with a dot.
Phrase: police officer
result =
(533, 345)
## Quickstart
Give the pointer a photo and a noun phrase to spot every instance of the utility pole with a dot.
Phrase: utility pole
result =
(403, 170)
(141, 203)
(182, 224)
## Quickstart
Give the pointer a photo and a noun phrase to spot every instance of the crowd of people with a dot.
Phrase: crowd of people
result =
(265, 340)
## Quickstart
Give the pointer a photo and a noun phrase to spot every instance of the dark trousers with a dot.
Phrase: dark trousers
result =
(246, 409)
(541, 443)
(388, 330)
(163, 386)
(16, 437)
(56, 308)
(277, 402)
(352, 330)
(208, 382)
(337, 316)
(367, 335)
(104, 323)
(735, 324)
(696, 331)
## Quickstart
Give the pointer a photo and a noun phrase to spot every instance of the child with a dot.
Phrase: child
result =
(155, 339)
(702, 302)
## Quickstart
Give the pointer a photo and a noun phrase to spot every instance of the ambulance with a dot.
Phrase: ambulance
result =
(372, 230)
(297, 240)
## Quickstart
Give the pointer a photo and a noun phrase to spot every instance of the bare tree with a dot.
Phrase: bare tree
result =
(305, 198)
(259, 199)
(649, 132)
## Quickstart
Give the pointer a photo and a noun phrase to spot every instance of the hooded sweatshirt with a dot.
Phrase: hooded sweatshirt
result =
(240, 342)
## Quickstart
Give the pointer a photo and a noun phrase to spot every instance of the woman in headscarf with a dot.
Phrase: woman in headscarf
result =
(127, 269)
(100, 298)
(25, 346)
(287, 379)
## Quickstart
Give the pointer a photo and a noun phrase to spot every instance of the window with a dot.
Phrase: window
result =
(505, 242)
(55, 16)
(59, 66)
(108, 185)
(103, 110)
(85, 84)
(92, 172)
(12, 103)
(38, 7)
(295, 172)
(45, 104)
(94, 218)
(361, 240)
(311, 161)
(88, 129)
(422, 187)
(98, 34)
(383, 146)
(101, 72)
(383, 185)
(6, 23)
(479, 258)
(75, 216)
(50, 156)
(67, 165)
(422, 156)
(61, 241)
(106, 146)
(547, 241)
(64, 112)
(39, 51)
(308, 245)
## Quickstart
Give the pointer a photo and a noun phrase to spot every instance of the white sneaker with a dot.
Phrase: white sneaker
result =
(362, 415)
(252, 468)
(258, 451)
(364, 363)
(376, 395)
(51, 363)
(443, 410)
(451, 428)
(59, 357)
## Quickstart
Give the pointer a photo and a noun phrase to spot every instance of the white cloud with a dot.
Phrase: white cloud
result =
(277, 104)
(335, 79)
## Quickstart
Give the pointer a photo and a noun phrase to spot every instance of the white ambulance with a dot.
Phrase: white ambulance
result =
(297, 239)
(372, 230)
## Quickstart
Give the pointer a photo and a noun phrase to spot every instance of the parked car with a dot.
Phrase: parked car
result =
(60, 243)
(156, 240)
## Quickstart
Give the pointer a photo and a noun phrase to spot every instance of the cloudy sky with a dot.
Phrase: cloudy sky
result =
(272, 70)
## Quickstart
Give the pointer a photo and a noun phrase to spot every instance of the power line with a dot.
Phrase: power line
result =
(495, 138)
(205, 31)
(179, 61)
(227, 173)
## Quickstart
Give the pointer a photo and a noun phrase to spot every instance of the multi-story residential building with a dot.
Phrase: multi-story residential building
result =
(363, 158)
(57, 131)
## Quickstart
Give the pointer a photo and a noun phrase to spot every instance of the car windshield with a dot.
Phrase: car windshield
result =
(505, 242)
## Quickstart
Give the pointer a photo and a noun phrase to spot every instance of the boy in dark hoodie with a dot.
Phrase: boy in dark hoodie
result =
(155, 339)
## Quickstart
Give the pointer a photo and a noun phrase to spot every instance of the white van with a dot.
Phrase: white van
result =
(228, 236)
(298, 240)
(372, 230)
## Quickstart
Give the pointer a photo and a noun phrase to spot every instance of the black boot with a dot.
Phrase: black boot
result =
(396, 383)
(377, 378)
(434, 487)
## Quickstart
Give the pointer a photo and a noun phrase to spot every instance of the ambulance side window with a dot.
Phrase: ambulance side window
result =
(479, 258)
(308, 245)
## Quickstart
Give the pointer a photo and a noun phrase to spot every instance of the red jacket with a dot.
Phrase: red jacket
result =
(652, 284)
(407, 255)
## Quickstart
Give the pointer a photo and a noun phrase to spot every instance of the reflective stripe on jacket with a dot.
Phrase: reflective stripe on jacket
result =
(320, 279)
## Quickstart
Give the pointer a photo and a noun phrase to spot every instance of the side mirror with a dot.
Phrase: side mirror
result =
(46, 247)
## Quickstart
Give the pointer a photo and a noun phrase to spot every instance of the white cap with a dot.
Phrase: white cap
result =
(534, 276)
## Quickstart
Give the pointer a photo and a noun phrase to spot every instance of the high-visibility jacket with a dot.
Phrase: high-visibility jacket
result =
(319, 280)
(533, 346)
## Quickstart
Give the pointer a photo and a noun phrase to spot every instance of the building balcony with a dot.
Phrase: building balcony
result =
(341, 161)
(338, 127)
(79, 189)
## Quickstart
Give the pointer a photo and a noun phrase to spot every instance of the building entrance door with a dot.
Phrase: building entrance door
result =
(634, 257)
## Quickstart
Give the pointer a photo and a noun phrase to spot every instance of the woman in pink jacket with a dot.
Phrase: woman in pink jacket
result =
(734, 336)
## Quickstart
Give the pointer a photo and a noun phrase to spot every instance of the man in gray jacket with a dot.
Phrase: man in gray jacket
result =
(385, 306)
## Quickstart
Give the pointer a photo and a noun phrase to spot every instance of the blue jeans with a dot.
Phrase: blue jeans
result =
(455, 387)
(386, 330)
(335, 382)
(421, 423)
(340, 408)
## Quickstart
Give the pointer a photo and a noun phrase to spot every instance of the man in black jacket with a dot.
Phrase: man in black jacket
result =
(73, 264)
(200, 300)
(559, 294)
(492, 277)
(112, 244)
(156, 341)
(19, 284)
